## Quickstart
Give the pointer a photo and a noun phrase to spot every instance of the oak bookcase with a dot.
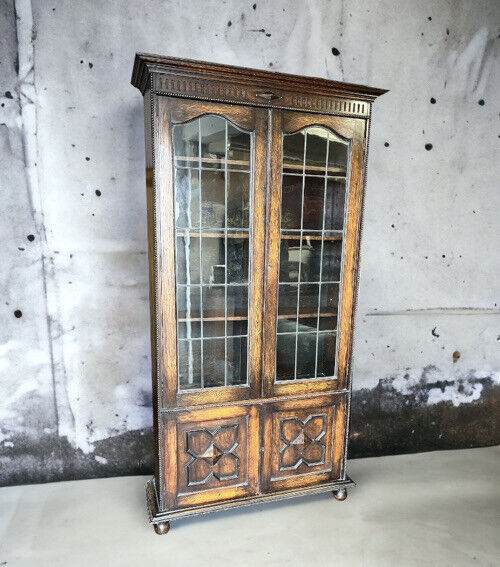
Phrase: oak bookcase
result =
(254, 192)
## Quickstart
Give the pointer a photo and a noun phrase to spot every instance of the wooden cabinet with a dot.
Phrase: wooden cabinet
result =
(254, 190)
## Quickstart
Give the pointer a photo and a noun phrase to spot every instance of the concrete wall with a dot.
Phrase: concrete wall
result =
(75, 395)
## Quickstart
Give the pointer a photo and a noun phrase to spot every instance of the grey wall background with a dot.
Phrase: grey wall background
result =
(75, 395)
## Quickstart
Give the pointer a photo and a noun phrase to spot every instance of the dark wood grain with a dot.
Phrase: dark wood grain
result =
(272, 251)
(220, 447)
(351, 245)
(258, 238)
(165, 236)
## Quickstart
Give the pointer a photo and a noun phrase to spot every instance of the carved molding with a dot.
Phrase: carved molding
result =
(303, 442)
(223, 91)
(212, 453)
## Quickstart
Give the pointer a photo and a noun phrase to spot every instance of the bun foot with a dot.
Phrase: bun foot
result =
(161, 527)
(340, 494)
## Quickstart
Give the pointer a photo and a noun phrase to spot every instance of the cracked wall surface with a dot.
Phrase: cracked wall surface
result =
(75, 393)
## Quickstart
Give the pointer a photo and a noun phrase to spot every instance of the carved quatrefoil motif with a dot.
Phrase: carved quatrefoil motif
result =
(212, 454)
(303, 442)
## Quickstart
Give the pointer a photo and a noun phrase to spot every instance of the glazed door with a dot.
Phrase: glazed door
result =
(212, 212)
(313, 217)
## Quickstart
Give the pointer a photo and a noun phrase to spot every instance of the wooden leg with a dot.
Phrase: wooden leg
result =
(340, 494)
(161, 527)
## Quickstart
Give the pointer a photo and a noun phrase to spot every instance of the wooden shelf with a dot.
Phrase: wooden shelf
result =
(181, 233)
(213, 234)
(305, 315)
(331, 171)
(242, 318)
(318, 169)
(212, 319)
(309, 236)
(220, 161)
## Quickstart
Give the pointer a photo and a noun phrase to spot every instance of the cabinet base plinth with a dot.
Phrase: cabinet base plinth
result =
(158, 517)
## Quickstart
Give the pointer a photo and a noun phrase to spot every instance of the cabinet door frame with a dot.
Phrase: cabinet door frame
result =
(335, 410)
(352, 130)
(168, 111)
(177, 423)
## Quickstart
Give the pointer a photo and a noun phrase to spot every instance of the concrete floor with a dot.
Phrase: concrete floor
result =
(438, 508)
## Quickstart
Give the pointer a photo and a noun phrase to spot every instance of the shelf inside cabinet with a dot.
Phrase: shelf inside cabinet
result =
(220, 234)
(243, 318)
(287, 166)
(310, 237)
(314, 169)
(196, 161)
(192, 234)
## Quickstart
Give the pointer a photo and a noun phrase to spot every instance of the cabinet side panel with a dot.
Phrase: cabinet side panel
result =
(366, 144)
(148, 137)
(351, 246)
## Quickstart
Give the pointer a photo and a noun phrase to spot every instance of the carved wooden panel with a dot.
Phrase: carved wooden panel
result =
(302, 442)
(209, 89)
(214, 454)
(299, 437)
(217, 453)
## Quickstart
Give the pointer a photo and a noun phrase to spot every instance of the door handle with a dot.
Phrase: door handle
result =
(268, 95)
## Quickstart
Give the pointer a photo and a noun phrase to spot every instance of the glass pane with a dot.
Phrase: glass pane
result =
(308, 307)
(214, 356)
(329, 306)
(238, 199)
(316, 151)
(331, 260)
(291, 201)
(314, 194)
(289, 258)
(213, 328)
(212, 177)
(237, 360)
(285, 357)
(189, 329)
(214, 302)
(213, 141)
(337, 157)
(237, 303)
(186, 144)
(187, 198)
(334, 206)
(293, 153)
(213, 190)
(306, 354)
(188, 302)
(326, 354)
(287, 308)
(236, 326)
(213, 258)
(238, 150)
(313, 201)
(237, 257)
(188, 259)
(189, 365)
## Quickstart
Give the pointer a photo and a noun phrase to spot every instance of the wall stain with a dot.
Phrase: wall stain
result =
(385, 421)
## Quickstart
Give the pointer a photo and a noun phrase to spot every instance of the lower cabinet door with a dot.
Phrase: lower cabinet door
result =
(217, 454)
(303, 442)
